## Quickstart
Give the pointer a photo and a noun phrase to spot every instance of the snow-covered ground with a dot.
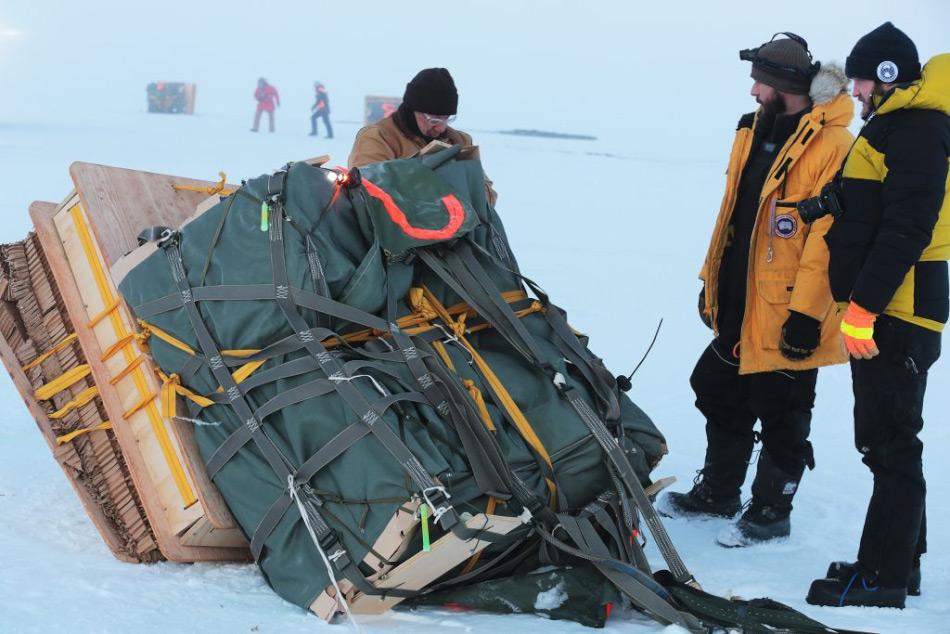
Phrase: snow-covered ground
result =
(615, 229)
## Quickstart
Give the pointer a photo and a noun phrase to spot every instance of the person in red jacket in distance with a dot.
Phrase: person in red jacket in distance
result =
(267, 98)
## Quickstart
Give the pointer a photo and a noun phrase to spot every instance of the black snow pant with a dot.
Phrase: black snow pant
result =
(781, 400)
(326, 122)
(888, 403)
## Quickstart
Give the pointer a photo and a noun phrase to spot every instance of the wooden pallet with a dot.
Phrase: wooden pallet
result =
(83, 237)
(33, 320)
(418, 571)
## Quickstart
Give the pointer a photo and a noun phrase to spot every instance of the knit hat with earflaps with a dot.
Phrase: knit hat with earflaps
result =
(886, 55)
(783, 64)
(432, 91)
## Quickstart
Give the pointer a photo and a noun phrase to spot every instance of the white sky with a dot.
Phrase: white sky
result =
(588, 67)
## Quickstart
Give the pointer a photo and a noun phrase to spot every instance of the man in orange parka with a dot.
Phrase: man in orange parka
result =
(766, 294)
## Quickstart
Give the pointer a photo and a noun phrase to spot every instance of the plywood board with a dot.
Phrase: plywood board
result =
(64, 454)
(391, 544)
(118, 204)
(92, 463)
(424, 568)
(121, 203)
(150, 449)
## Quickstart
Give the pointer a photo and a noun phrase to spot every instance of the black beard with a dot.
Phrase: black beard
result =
(775, 106)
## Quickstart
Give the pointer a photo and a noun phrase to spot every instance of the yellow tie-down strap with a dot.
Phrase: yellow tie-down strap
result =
(110, 301)
(65, 438)
(218, 188)
(425, 308)
(427, 302)
(62, 345)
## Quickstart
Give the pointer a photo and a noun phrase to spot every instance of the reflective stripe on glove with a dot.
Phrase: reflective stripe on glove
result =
(857, 326)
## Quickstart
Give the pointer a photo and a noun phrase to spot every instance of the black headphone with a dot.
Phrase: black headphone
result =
(752, 55)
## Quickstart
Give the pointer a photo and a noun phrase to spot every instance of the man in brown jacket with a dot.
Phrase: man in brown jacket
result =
(429, 105)
(766, 295)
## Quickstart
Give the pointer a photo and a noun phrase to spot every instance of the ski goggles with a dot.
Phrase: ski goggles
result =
(435, 119)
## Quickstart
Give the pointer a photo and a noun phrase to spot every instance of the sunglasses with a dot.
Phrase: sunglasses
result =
(752, 55)
(435, 119)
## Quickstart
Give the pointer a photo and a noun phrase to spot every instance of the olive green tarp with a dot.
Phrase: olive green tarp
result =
(294, 261)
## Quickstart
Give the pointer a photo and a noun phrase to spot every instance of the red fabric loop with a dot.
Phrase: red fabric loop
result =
(452, 205)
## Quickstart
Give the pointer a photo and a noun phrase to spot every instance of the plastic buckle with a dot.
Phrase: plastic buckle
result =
(328, 541)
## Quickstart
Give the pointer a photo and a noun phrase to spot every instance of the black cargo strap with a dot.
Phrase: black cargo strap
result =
(331, 450)
(326, 537)
(630, 480)
(547, 471)
(434, 393)
(624, 545)
(278, 463)
(433, 493)
(243, 434)
(436, 265)
(319, 279)
(334, 369)
(639, 586)
(753, 616)
(474, 279)
(259, 292)
(443, 395)
(601, 381)
(299, 394)
(489, 468)
(497, 312)
(597, 428)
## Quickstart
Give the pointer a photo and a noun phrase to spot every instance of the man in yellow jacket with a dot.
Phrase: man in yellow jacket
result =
(766, 294)
(889, 250)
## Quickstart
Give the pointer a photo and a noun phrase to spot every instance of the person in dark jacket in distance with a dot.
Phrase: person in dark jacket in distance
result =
(320, 110)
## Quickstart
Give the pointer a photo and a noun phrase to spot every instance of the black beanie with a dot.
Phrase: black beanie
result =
(776, 63)
(886, 55)
(432, 91)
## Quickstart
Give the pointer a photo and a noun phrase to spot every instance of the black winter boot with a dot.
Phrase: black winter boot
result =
(757, 525)
(701, 501)
(858, 589)
(843, 570)
(767, 516)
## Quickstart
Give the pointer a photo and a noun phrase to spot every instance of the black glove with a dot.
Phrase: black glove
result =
(707, 319)
(801, 335)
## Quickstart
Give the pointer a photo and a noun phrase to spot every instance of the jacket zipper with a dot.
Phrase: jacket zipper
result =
(769, 253)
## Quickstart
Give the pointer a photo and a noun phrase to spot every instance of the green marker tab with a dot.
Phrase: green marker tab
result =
(265, 213)
(424, 512)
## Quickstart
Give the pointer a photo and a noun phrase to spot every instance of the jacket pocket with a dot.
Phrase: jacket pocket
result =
(775, 294)
(848, 244)
(932, 291)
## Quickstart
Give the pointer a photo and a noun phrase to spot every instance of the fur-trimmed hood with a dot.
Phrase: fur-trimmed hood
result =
(831, 103)
(828, 84)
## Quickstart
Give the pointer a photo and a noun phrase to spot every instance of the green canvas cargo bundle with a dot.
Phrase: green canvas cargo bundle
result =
(358, 347)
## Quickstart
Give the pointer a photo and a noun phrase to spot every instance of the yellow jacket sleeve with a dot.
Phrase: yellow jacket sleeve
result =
(812, 293)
